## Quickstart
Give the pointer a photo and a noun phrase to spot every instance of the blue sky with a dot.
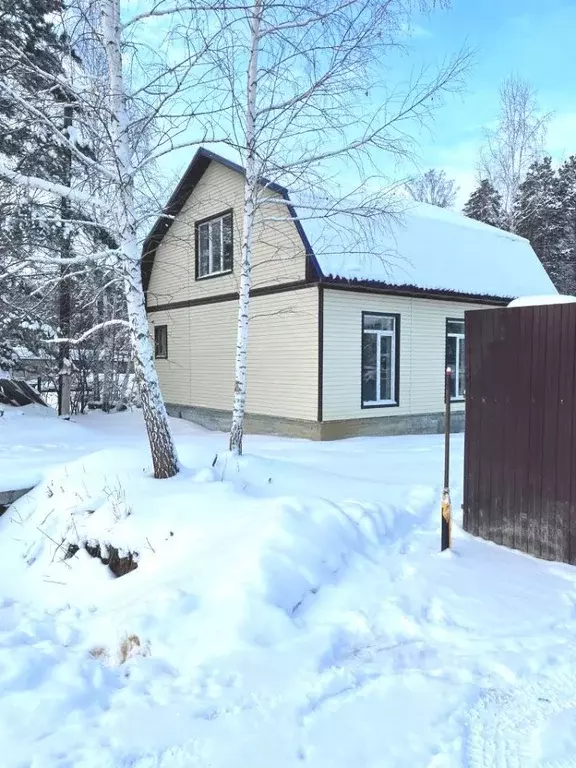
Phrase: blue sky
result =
(533, 38)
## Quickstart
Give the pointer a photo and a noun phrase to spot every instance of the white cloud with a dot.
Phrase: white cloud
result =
(415, 30)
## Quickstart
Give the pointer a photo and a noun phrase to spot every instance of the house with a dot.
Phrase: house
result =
(341, 342)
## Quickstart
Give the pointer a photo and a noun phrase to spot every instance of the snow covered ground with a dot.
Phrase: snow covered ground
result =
(291, 609)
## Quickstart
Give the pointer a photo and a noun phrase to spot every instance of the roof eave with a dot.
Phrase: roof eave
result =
(413, 290)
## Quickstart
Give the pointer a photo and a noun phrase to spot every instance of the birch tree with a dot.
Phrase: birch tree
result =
(514, 144)
(311, 103)
(434, 188)
(135, 103)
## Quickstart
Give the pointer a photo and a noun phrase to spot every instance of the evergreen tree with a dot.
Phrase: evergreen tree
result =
(485, 204)
(31, 58)
(567, 194)
(540, 218)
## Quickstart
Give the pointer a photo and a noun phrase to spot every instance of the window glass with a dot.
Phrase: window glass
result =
(378, 323)
(216, 233)
(386, 367)
(161, 341)
(227, 242)
(455, 357)
(214, 246)
(203, 249)
(370, 368)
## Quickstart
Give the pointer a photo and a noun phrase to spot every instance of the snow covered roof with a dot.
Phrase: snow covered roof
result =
(421, 248)
(428, 248)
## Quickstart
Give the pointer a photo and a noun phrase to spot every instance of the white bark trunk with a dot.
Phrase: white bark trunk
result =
(250, 193)
(162, 447)
(65, 408)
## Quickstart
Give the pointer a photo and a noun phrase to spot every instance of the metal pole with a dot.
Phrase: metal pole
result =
(446, 503)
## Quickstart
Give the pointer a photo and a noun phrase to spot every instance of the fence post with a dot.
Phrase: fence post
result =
(446, 503)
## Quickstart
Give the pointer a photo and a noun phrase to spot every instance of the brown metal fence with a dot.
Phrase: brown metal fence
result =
(520, 439)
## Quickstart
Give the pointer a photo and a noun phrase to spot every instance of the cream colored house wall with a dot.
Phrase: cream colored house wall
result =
(278, 252)
(422, 352)
(282, 355)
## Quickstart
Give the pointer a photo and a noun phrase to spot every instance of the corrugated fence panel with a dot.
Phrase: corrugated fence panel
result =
(520, 442)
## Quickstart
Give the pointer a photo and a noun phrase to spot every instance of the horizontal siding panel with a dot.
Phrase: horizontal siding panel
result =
(278, 253)
(174, 373)
(282, 355)
(422, 352)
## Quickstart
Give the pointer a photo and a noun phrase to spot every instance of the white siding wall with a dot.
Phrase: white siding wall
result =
(278, 254)
(282, 355)
(422, 352)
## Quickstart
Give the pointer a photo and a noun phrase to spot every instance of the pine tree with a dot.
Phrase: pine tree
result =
(540, 218)
(567, 194)
(485, 204)
(30, 59)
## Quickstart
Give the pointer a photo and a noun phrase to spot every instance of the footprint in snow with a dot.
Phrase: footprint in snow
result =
(529, 727)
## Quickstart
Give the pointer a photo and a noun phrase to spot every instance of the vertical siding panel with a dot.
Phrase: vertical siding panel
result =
(520, 382)
(485, 500)
(500, 355)
(571, 386)
(509, 361)
(472, 442)
(484, 455)
(521, 431)
(565, 456)
(537, 386)
(550, 434)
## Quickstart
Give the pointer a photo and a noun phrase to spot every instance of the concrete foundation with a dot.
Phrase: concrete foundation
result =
(421, 424)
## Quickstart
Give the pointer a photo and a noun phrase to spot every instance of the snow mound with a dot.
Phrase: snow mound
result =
(212, 544)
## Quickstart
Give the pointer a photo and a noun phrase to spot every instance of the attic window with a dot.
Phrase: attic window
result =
(214, 246)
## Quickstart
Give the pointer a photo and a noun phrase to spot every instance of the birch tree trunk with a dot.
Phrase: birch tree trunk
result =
(250, 194)
(162, 447)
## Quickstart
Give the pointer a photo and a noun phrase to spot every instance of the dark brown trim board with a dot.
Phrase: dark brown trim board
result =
(320, 350)
(329, 285)
(264, 291)
(339, 284)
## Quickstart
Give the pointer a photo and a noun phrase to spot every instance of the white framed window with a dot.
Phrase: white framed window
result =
(455, 357)
(214, 246)
(380, 359)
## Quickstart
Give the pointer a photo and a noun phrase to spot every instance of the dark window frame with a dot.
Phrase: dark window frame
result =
(459, 398)
(396, 402)
(162, 327)
(197, 224)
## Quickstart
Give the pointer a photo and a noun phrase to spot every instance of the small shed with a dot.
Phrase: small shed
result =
(520, 437)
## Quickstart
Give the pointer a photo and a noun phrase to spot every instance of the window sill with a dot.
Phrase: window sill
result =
(381, 404)
(214, 274)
